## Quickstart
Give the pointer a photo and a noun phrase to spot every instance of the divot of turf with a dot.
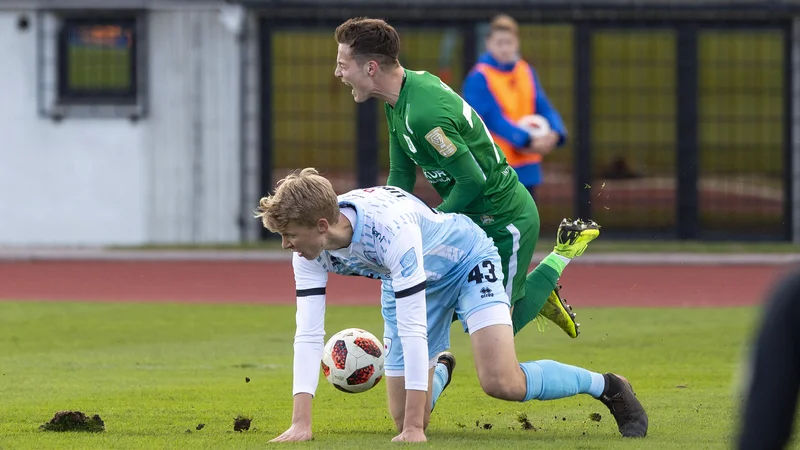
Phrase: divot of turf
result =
(241, 423)
(74, 421)
(526, 424)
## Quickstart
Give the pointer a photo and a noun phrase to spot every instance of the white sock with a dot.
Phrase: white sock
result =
(563, 258)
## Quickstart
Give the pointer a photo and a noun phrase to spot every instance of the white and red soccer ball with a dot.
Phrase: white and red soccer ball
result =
(535, 125)
(353, 360)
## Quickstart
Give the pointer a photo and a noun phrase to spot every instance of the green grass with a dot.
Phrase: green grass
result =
(545, 245)
(153, 371)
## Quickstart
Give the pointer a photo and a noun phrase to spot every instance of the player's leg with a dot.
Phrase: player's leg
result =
(394, 366)
(440, 306)
(507, 241)
(529, 292)
(396, 393)
(539, 287)
(501, 375)
(442, 376)
(484, 305)
(571, 242)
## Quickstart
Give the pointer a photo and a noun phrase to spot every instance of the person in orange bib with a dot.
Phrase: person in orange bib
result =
(503, 88)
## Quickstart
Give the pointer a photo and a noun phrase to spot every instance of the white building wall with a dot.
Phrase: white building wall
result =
(171, 177)
(192, 142)
(74, 182)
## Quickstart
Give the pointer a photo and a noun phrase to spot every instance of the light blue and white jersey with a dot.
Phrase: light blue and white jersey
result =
(393, 232)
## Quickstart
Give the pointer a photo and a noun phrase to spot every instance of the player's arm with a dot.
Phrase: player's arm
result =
(443, 141)
(478, 95)
(548, 111)
(309, 342)
(402, 170)
(404, 260)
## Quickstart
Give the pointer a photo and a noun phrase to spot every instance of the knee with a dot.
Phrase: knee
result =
(494, 386)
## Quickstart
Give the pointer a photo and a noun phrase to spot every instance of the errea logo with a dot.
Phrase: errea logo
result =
(486, 292)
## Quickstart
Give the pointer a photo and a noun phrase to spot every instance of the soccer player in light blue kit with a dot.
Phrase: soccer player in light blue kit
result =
(431, 264)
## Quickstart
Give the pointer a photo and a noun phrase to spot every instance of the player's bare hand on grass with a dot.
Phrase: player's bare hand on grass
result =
(411, 435)
(295, 433)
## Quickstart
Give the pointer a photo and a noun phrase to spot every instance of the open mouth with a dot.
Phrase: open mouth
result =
(353, 90)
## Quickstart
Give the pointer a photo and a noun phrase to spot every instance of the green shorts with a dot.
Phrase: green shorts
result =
(516, 243)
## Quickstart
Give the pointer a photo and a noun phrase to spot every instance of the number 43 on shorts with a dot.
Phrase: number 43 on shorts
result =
(484, 271)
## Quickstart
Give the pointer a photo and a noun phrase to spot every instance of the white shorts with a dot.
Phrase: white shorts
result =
(497, 314)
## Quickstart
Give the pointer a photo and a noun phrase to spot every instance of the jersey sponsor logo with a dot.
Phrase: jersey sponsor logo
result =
(441, 142)
(436, 176)
(486, 292)
(378, 236)
(372, 256)
(409, 262)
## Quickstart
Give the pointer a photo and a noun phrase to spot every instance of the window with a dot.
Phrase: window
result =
(97, 61)
(92, 64)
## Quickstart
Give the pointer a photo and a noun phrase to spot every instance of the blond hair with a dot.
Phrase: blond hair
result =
(503, 22)
(303, 197)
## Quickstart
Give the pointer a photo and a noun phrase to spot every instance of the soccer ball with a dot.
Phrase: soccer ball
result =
(534, 124)
(353, 360)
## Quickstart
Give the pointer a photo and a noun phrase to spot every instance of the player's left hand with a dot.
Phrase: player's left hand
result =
(411, 435)
(295, 433)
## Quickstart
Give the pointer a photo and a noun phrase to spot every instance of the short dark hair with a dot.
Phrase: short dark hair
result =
(370, 38)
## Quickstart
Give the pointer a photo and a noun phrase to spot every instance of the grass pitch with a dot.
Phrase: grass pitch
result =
(155, 372)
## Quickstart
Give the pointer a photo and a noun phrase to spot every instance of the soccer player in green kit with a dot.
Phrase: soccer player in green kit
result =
(432, 127)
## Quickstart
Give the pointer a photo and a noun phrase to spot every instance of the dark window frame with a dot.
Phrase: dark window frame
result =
(71, 96)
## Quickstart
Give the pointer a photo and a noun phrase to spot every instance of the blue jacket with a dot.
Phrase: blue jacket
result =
(477, 94)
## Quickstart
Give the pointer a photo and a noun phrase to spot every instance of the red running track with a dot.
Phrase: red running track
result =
(272, 282)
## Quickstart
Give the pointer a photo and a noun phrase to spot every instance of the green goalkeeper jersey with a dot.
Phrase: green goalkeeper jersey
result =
(432, 127)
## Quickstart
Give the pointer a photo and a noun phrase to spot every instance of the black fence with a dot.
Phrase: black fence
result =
(679, 118)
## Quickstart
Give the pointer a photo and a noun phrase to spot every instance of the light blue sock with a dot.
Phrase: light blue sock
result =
(549, 380)
(440, 376)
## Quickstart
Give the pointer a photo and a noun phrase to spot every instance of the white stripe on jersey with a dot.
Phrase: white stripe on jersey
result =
(479, 166)
(512, 261)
